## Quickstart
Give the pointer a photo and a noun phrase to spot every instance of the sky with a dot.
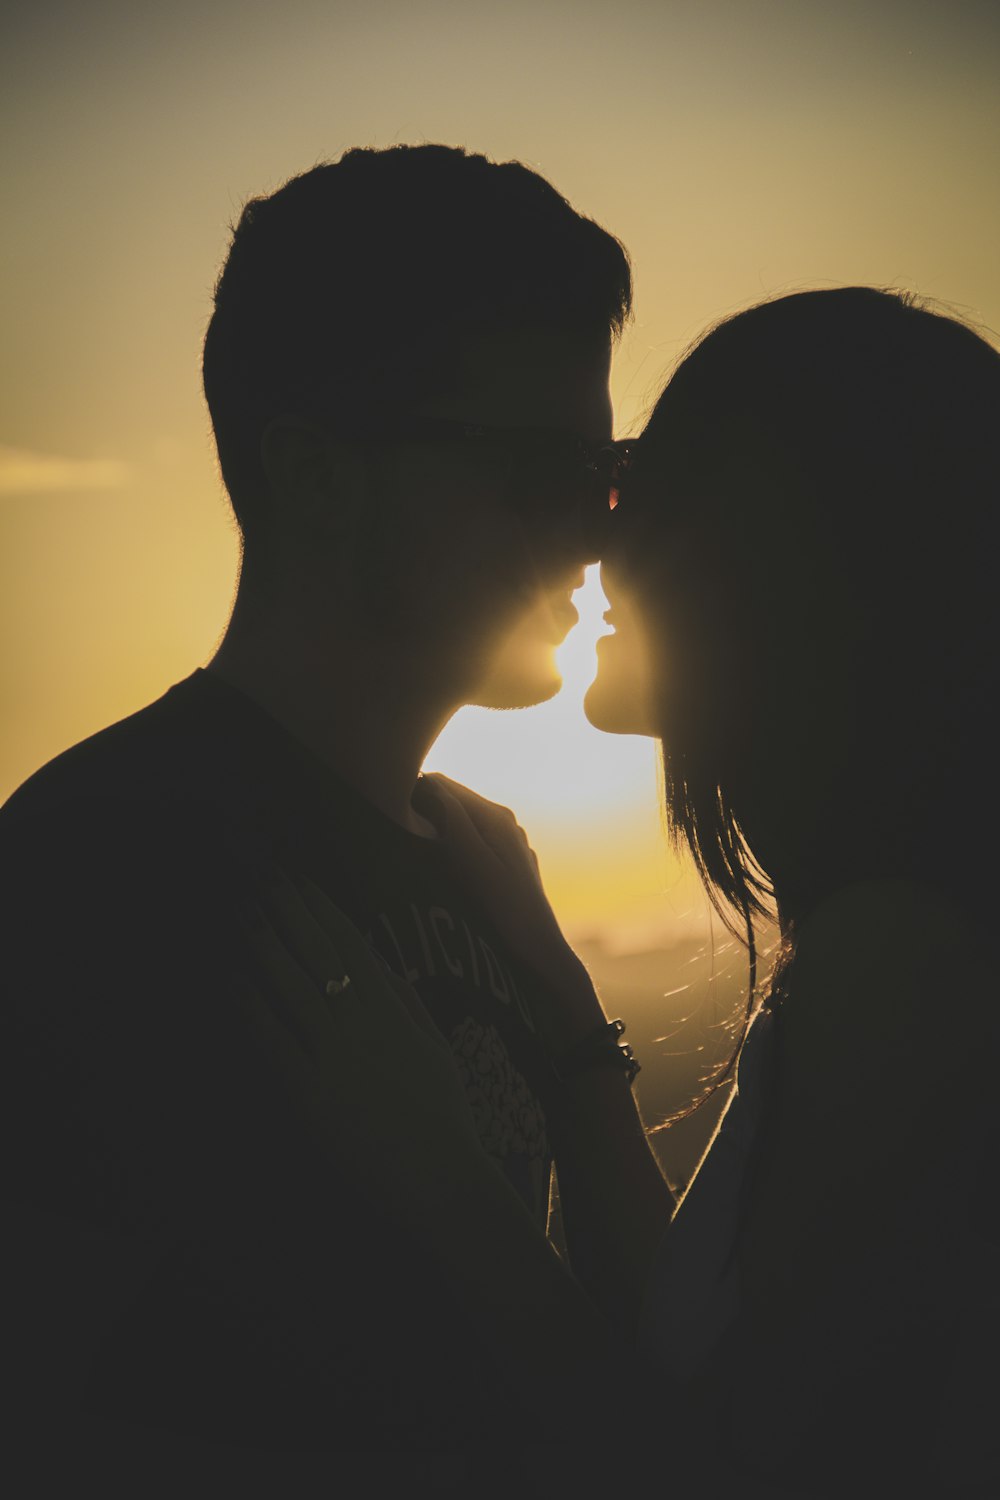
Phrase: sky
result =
(739, 149)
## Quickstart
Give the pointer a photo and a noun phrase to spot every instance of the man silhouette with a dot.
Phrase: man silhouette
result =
(407, 374)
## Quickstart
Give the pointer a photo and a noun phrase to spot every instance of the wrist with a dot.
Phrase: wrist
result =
(601, 1048)
(598, 1142)
(597, 1067)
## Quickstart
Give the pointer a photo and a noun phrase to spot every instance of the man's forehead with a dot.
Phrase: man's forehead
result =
(532, 377)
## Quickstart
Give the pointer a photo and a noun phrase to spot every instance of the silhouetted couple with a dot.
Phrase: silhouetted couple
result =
(291, 1039)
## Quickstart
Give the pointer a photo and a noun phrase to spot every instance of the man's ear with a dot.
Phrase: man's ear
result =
(313, 478)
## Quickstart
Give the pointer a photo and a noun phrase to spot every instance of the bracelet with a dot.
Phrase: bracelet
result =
(600, 1047)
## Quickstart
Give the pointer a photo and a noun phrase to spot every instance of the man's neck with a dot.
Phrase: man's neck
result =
(359, 711)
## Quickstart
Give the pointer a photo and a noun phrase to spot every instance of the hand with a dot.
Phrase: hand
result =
(361, 1058)
(492, 853)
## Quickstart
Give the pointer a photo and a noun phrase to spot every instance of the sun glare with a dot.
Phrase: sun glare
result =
(548, 763)
(588, 800)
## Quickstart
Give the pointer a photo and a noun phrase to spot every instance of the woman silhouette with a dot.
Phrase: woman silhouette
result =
(802, 580)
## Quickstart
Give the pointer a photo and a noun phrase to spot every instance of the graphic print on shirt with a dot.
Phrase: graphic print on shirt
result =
(507, 1115)
(440, 953)
(436, 943)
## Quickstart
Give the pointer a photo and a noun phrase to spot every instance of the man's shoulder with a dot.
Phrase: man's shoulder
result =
(181, 746)
(158, 768)
(122, 758)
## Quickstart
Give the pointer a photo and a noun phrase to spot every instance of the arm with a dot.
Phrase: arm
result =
(616, 1202)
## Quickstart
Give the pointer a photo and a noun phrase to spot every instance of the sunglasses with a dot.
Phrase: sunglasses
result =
(548, 473)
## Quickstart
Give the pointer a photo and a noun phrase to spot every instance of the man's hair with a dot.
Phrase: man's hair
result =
(352, 290)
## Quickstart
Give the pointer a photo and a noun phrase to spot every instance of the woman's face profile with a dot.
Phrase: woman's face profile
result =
(620, 699)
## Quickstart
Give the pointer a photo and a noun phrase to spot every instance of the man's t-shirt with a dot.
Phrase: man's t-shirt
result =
(246, 1293)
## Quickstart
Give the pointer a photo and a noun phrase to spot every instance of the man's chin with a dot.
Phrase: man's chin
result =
(514, 693)
(518, 680)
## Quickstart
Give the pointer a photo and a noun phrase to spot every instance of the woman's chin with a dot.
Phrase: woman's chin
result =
(616, 701)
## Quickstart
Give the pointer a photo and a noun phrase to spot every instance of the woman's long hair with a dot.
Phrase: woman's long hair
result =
(811, 540)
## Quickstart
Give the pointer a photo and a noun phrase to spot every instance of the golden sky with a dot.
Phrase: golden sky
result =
(739, 149)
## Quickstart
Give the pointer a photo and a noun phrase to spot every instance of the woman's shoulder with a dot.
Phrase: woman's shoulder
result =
(887, 1043)
(870, 915)
(890, 968)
